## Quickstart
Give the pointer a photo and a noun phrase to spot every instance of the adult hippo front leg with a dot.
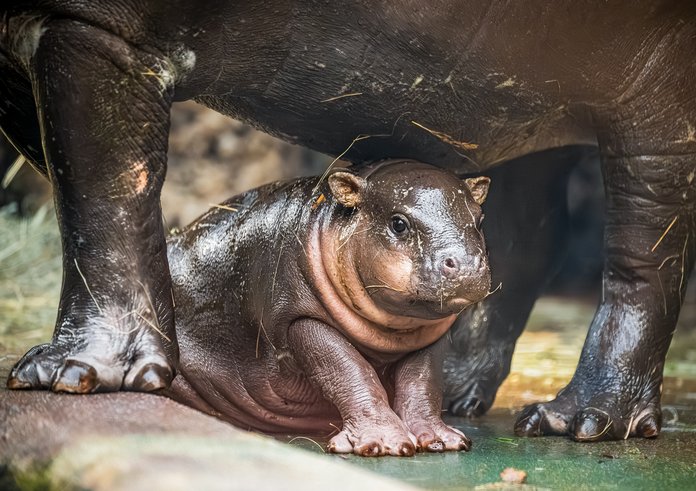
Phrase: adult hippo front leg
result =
(649, 242)
(104, 115)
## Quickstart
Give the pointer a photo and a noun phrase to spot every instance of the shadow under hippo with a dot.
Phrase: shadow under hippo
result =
(87, 88)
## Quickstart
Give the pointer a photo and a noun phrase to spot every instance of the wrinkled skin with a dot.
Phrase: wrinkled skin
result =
(321, 310)
(461, 85)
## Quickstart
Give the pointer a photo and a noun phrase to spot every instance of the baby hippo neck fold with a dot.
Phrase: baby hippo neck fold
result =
(340, 290)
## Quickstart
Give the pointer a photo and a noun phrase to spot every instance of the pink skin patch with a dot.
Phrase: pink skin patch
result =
(140, 177)
(352, 309)
(136, 177)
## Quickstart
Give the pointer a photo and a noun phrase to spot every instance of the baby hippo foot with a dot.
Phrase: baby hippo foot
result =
(436, 436)
(101, 359)
(592, 419)
(373, 439)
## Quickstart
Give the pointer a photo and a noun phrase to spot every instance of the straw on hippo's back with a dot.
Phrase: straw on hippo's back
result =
(308, 311)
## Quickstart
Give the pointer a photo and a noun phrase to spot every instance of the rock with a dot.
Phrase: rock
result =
(131, 441)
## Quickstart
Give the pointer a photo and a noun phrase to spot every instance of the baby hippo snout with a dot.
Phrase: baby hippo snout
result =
(459, 277)
(454, 263)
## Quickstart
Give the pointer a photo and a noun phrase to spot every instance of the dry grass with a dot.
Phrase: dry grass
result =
(462, 145)
(30, 278)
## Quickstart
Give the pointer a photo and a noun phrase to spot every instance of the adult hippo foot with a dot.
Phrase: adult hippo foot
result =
(472, 380)
(475, 399)
(588, 416)
(615, 392)
(106, 157)
(112, 360)
(374, 440)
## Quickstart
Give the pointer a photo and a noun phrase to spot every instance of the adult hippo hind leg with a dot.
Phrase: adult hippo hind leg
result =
(648, 167)
(522, 230)
(104, 116)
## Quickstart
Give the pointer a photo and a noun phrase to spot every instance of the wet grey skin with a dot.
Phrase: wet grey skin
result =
(315, 309)
(86, 89)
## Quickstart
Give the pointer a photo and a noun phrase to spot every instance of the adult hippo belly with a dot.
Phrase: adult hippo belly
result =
(463, 85)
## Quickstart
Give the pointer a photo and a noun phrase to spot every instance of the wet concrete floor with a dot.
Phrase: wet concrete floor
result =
(668, 462)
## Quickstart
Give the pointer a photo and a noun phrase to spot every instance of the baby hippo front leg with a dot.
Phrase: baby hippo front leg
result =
(344, 377)
(418, 400)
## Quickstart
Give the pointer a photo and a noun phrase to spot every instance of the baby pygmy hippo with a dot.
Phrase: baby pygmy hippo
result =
(310, 311)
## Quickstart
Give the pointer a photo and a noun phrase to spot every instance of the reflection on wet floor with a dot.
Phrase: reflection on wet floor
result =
(544, 362)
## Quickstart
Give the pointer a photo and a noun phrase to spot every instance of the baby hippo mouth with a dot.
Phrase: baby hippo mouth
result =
(428, 299)
(455, 305)
(443, 302)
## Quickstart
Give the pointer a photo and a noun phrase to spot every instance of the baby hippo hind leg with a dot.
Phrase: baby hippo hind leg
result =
(344, 377)
(418, 400)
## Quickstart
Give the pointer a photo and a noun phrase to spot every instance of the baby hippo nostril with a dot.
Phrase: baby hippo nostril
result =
(453, 265)
(450, 267)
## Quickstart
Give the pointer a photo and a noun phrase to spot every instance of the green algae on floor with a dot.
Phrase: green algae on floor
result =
(550, 462)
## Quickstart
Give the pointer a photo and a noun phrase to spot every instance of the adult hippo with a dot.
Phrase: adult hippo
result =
(87, 88)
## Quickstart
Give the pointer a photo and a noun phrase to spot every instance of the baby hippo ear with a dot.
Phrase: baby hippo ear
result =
(478, 187)
(347, 188)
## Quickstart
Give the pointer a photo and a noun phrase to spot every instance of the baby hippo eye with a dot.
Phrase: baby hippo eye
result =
(399, 224)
